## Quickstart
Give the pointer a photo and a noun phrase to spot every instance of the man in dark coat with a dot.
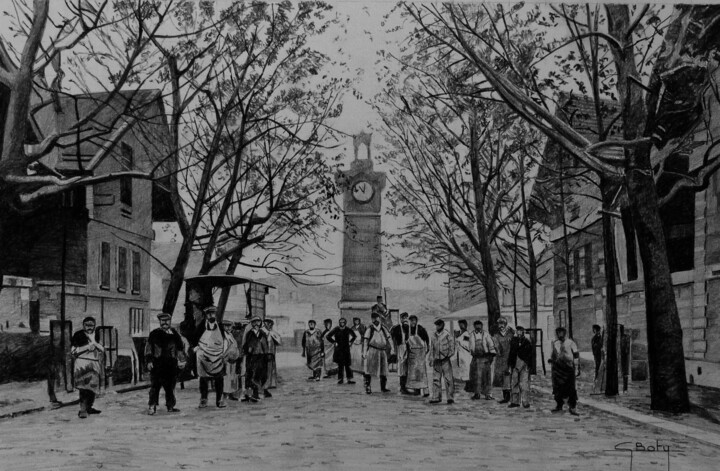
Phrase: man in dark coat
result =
(521, 351)
(163, 350)
(256, 350)
(343, 337)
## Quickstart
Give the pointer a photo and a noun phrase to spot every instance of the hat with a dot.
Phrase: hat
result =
(519, 328)
(269, 321)
(404, 314)
(227, 322)
(374, 315)
(255, 318)
(164, 315)
(439, 322)
(209, 309)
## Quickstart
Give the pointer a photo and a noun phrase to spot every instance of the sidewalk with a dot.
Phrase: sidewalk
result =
(701, 423)
(20, 398)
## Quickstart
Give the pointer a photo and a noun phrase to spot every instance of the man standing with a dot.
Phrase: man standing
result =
(521, 351)
(418, 344)
(163, 351)
(376, 343)
(442, 350)
(274, 340)
(565, 367)
(597, 347)
(330, 365)
(356, 349)
(231, 380)
(313, 350)
(482, 349)
(461, 362)
(255, 349)
(502, 344)
(342, 337)
(399, 334)
(381, 309)
(210, 352)
(87, 368)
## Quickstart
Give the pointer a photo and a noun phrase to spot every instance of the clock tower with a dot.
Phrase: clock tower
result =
(362, 250)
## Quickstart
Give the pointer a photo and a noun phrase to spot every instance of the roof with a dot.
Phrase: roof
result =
(118, 113)
(583, 198)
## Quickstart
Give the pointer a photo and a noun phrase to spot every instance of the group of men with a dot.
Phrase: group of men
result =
(484, 360)
(219, 351)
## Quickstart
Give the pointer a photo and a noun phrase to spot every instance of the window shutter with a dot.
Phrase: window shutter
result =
(588, 266)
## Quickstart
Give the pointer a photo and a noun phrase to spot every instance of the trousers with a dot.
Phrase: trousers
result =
(87, 399)
(166, 380)
(442, 372)
(344, 368)
(520, 381)
(204, 386)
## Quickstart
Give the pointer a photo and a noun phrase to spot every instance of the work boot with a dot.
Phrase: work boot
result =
(506, 397)
(266, 393)
(151, 410)
(221, 404)
(350, 381)
(83, 414)
(340, 381)
(203, 404)
(511, 406)
(173, 409)
(383, 384)
(573, 411)
(93, 411)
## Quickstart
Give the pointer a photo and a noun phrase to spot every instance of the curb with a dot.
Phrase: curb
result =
(710, 438)
(60, 405)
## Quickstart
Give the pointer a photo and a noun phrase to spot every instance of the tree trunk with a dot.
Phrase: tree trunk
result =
(225, 292)
(177, 276)
(611, 325)
(532, 262)
(490, 279)
(668, 383)
(566, 254)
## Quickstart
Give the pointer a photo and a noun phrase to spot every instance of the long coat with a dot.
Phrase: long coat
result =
(501, 378)
(343, 338)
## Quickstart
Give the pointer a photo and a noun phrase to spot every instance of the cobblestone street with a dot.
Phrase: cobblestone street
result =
(327, 426)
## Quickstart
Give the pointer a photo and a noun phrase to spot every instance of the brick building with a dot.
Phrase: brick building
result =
(104, 229)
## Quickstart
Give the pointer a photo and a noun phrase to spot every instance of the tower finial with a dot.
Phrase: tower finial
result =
(362, 138)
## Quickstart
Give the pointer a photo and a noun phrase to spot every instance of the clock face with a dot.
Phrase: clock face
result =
(362, 191)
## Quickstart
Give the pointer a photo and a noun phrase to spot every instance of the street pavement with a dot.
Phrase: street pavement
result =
(325, 426)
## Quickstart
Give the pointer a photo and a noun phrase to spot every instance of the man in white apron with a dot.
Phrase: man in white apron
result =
(356, 359)
(417, 347)
(461, 363)
(376, 343)
(210, 353)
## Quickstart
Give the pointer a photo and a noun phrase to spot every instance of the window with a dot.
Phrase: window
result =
(548, 296)
(526, 296)
(581, 267)
(104, 265)
(122, 277)
(137, 321)
(136, 272)
(507, 297)
(126, 182)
